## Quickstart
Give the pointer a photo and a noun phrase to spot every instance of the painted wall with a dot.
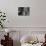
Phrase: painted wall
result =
(38, 13)
(37, 16)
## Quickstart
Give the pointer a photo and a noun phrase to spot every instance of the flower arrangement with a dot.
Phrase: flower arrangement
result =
(2, 19)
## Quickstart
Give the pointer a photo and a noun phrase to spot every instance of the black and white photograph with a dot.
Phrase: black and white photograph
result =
(23, 11)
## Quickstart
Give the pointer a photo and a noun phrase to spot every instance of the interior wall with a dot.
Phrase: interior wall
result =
(38, 13)
(37, 16)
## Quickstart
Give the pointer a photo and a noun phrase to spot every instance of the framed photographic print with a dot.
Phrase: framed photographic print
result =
(23, 11)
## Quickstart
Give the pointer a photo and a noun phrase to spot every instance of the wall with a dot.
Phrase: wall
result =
(37, 16)
(14, 19)
(38, 13)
